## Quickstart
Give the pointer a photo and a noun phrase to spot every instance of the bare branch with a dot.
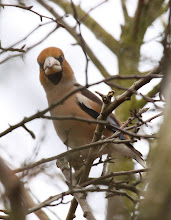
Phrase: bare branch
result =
(29, 8)
(31, 32)
(82, 42)
(14, 191)
(31, 47)
(87, 13)
(75, 190)
(127, 94)
(125, 12)
(13, 49)
(73, 32)
(113, 174)
(81, 198)
(69, 152)
(118, 100)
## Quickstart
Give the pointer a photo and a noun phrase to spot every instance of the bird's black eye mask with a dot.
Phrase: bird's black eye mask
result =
(56, 77)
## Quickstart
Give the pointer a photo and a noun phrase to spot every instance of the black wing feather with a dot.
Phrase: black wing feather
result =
(94, 114)
(89, 111)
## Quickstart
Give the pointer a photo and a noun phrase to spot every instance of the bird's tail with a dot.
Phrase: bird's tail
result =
(136, 155)
(127, 150)
(140, 160)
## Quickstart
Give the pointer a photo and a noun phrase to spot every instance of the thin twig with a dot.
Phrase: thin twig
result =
(29, 8)
(59, 156)
(118, 100)
(112, 174)
(82, 42)
(13, 49)
(93, 8)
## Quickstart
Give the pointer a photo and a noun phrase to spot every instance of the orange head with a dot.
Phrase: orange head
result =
(53, 67)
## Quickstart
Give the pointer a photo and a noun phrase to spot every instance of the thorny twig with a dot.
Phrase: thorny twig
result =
(29, 8)
(13, 49)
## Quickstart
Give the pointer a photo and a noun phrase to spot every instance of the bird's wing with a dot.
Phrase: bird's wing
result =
(91, 104)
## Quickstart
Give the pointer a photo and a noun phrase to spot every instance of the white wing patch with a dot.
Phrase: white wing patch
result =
(82, 99)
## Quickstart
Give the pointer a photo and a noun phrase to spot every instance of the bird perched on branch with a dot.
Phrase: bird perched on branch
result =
(58, 80)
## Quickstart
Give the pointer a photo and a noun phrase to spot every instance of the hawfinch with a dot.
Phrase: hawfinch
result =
(57, 78)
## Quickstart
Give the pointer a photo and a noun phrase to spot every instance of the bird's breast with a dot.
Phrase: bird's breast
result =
(73, 133)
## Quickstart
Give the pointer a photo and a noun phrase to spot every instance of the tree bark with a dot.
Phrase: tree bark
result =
(158, 195)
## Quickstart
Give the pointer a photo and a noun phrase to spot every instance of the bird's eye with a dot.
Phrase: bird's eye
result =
(61, 58)
(41, 65)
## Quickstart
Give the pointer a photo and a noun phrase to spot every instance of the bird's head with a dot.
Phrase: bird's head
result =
(53, 67)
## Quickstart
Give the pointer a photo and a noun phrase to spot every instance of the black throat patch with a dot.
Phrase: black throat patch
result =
(55, 78)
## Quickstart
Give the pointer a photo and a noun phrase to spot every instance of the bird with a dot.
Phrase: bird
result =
(58, 80)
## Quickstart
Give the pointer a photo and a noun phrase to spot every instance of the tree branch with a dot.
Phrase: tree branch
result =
(29, 8)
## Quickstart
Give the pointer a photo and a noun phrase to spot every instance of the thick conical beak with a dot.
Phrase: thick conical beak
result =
(51, 66)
